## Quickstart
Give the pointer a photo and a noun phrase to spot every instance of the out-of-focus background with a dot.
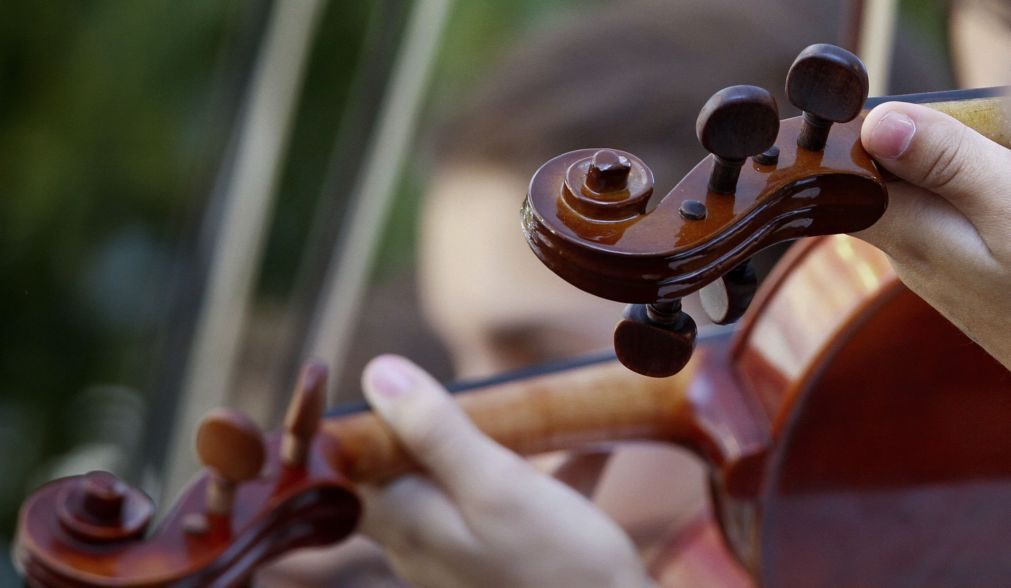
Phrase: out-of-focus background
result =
(191, 194)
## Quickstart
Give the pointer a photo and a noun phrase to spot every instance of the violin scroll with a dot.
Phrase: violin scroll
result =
(255, 501)
(626, 245)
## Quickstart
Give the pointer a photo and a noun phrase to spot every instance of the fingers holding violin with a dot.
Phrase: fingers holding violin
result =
(936, 152)
(927, 234)
(412, 515)
(434, 429)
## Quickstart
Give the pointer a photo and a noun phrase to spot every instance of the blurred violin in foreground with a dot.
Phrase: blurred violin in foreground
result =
(854, 436)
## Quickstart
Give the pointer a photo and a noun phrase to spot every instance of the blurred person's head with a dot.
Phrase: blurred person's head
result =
(628, 75)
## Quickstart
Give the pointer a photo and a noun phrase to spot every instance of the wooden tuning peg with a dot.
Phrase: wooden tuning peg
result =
(726, 299)
(830, 85)
(304, 413)
(655, 340)
(231, 447)
(736, 123)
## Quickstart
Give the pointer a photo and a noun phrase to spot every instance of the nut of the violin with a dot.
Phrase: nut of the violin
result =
(727, 298)
(655, 344)
(231, 446)
(830, 85)
(304, 413)
(734, 124)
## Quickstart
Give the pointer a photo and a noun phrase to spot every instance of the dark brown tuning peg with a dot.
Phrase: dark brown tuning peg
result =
(736, 123)
(830, 85)
(655, 340)
(231, 446)
(726, 299)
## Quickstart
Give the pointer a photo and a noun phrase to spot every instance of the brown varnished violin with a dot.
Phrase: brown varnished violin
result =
(593, 218)
(854, 436)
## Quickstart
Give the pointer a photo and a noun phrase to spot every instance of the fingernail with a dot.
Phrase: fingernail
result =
(391, 377)
(891, 136)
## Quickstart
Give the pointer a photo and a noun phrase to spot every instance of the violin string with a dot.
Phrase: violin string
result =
(708, 335)
(942, 96)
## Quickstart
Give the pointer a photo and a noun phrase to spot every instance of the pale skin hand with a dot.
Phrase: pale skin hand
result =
(947, 229)
(480, 515)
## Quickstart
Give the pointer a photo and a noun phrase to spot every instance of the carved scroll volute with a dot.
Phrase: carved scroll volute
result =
(658, 254)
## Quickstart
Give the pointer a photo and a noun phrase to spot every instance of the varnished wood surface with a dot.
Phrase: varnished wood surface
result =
(890, 438)
(816, 289)
(597, 404)
(895, 451)
(658, 255)
(655, 254)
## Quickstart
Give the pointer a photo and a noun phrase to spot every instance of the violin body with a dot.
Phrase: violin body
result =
(889, 457)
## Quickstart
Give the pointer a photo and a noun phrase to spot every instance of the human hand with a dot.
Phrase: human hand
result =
(947, 229)
(481, 516)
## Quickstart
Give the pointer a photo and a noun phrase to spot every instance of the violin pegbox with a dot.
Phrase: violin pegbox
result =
(591, 215)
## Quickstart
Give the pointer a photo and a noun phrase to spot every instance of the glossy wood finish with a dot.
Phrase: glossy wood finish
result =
(284, 509)
(891, 442)
(919, 494)
(652, 253)
(658, 255)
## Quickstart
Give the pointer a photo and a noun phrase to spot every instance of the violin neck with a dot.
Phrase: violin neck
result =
(986, 110)
(597, 404)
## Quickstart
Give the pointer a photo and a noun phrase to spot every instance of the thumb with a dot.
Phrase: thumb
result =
(432, 428)
(934, 151)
